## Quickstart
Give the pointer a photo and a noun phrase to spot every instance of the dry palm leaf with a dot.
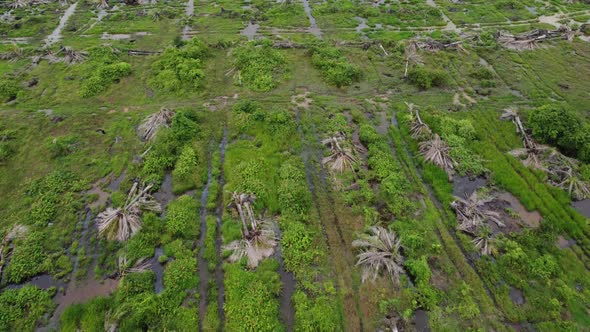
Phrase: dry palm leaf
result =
(243, 202)
(141, 265)
(437, 152)
(257, 247)
(103, 4)
(19, 4)
(341, 158)
(485, 242)
(571, 182)
(380, 251)
(472, 213)
(149, 128)
(122, 223)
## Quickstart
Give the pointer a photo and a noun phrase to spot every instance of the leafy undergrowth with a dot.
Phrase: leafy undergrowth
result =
(259, 66)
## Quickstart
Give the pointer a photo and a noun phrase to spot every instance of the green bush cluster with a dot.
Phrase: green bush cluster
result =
(251, 298)
(426, 296)
(20, 309)
(294, 197)
(386, 170)
(182, 217)
(425, 78)
(9, 89)
(260, 66)
(106, 70)
(169, 145)
(297, 243)
(27, 258)
(185, 175)
(335, 67)
(319, 313)
(180, 68)
(557, 125)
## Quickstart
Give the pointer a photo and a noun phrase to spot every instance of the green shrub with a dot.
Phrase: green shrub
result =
(294, 197)
(557, 125)
(425, 78)
(103, 77)
(297, 246)
(185, 175)
(319, 313)
(182, 217)
(335, 67)
(27, 258)
(180, 69)
(250, 298)
(260, 66)
(9, 88)
(20, 309)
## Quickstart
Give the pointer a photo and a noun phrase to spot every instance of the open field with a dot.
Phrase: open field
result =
(290, 165)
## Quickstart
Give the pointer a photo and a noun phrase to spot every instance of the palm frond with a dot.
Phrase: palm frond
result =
(437, 152)
(472, 213)
(380, 252)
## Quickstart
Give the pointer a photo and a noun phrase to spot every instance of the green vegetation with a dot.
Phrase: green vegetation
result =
(309, 166)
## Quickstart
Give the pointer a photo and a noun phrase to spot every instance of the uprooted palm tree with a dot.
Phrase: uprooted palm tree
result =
(340, 158)
(380, 252)
(437, 152)
(258, 238)
(19, 4)
(149, 128)
(17, 231)
(572, 183)
(411, 56)
(418, 128)
(72, 56)
(511, 114)
(257, 246)
(103, 4)
(485, 242)
(141, 265)
(472, 213)
(121, 223)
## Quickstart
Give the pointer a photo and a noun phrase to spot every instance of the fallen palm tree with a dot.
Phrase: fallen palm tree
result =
(122, 223)
(340, 158)
(571, 182)
(485, 242)
(418, 128)
(103, 4)
(258, 237)
(533, 39)
(432, 45)
(437, 152)
(149, 128)
(380, 252)
(472, 213)
(17, 231)
(411, 56)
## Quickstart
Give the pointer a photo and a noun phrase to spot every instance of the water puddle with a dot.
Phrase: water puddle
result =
(158, 269)
(55, 36)
(190, 8)
(123, 36)
(250, 31)
(583, 207)
(563, 243)
(44, 281)
(165, 194)
(516, 296)
(464, 186)
(383, 126)
(532, 219)
(116, 183)
(362, 26)
(313, 27)
(421, 321)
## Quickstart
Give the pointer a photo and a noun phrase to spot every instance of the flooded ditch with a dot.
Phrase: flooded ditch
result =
(313, 26)
(202, 263)
(218, 240)
(56, 36)
(287, 309)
